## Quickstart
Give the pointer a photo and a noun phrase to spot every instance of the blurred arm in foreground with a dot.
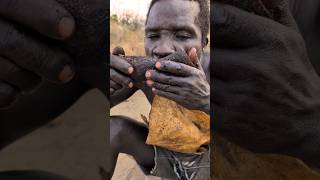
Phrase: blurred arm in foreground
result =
(267, 93)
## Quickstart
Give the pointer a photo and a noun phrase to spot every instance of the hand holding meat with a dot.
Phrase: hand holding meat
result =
(181, 83)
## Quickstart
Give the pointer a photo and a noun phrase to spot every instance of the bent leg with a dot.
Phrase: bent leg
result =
(128, 136)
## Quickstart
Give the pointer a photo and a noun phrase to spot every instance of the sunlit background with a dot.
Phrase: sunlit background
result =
(127, 25)
(136, 7)
(127, 20)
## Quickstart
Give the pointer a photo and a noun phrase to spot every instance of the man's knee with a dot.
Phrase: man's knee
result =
(118, 127)
(123, 129)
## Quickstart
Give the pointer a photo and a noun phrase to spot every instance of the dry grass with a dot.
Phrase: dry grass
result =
(131, 40)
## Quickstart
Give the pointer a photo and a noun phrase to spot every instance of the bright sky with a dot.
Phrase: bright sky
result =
(138, 7)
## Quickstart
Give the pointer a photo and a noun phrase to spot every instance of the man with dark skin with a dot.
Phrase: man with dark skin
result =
(293, 57)
(266, 79)
(171, 25)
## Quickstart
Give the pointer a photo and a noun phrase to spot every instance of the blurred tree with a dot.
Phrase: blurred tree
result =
(114, 18)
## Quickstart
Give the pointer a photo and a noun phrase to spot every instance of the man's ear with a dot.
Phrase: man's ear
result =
(205, 42)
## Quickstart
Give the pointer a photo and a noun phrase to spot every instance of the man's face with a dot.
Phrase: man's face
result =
(171, 27)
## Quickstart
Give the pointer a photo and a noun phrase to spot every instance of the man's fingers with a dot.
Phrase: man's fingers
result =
(120, 79)
(8, 95)
(193, 56)
(112, 91)
(175, 68)
(168, 95)
(237, 28)
(11, 73)
(115, 85)
(46, 16)
(29, 53)
(163, 78)
(120, 65)
(118, 51)
(164, 87)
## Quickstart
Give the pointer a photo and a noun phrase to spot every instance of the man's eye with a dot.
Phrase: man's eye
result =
(153, 36)
(183, 36)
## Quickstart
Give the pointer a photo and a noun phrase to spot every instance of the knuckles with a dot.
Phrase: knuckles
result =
(285, 40)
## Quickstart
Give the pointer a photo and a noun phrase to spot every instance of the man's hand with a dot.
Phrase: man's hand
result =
(267, 93)
(121, 85)
(25, 58)
(181, 83)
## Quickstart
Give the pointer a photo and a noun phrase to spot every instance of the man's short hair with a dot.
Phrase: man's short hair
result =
(202, 19)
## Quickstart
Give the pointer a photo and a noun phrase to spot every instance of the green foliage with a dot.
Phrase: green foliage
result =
(114, 18)
(131, 21)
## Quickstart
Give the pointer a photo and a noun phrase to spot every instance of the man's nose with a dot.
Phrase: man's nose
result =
(163, 50)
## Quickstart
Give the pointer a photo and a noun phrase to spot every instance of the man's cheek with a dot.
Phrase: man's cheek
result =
(147, 49)
(192, 43)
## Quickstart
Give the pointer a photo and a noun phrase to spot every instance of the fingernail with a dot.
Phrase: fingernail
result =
(154, 90)
(66, 74)
(148, 74)
(66, 27)
(130, 85)
(149, 82)
(158, 65)
(193, 55)
(130, 70)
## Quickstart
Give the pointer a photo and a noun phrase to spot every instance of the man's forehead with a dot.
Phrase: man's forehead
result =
(173, 11)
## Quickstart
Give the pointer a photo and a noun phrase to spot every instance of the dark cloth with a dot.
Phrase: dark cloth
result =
(181, 166)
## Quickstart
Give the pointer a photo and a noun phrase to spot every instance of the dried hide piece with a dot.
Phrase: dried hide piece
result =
(176, 128)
